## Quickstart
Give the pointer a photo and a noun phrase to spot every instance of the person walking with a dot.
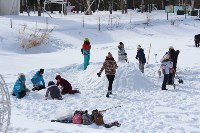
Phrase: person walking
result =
(110, 67)
(86, 52)
(141, 58)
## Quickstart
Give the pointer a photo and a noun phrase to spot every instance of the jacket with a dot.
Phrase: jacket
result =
(54, 91)
(141, 56)
(18, 87)
(65, 84)
(38, 79)
(86, 48)
(110, 66)
(167, 67)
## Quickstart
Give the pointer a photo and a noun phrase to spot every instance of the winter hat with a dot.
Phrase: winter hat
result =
(41, 71)
(109, 55)
(139, 47)
(171, 47)
(22, 77)
(86, 40)
(58, 77)
(120, 43)
(51, 83)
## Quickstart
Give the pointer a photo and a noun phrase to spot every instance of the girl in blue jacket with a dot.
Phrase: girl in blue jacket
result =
(19, 89)
(38, 81)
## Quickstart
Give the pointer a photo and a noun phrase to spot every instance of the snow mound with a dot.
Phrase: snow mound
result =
(129, 77)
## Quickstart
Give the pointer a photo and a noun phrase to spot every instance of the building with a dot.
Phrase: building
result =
(9, 7)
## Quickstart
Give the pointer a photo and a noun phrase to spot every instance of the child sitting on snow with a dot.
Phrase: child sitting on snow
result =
(19, 89)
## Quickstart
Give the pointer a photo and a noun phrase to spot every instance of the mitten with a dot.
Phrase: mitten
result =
(99, 74)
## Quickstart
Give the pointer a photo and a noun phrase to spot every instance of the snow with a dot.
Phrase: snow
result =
(144, 107)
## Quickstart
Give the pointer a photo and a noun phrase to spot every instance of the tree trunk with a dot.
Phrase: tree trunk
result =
(192, 4)
(88, 9)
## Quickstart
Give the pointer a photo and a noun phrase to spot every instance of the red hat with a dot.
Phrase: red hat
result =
(58, 77)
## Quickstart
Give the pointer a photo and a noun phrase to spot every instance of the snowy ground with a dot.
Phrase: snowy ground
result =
(145, 108)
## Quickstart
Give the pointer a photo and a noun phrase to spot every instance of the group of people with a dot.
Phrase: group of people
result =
(56, 90)
(110, 64)
(168, 67)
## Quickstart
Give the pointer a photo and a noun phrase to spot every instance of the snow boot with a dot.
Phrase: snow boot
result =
(107, 95)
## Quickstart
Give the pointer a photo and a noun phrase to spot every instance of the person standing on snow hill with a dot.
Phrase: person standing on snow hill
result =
(167, 68)
(173, 56)
(86, 52)
(122, 55)
(19, 89)
(141, 58)
(110, 67)
(54, 91)
(66, 86)
(38, 81)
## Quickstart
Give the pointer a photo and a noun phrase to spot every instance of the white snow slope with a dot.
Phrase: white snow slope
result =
(144, 107)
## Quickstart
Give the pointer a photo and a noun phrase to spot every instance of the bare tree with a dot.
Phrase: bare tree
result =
(88, 9)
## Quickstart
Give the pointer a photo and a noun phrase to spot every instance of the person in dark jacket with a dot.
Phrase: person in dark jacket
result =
(66, 87)
(141, 58)
(110, 67)
(173, 56)
(54, 91)
(38, 81)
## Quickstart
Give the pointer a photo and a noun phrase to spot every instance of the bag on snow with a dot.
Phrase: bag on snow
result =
(97, 117)
(77, 118)
(87, 119)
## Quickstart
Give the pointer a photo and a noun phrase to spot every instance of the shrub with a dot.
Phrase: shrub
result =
(29, 39)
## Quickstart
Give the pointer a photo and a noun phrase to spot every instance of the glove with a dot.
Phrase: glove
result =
(82, 51)
(99, 75)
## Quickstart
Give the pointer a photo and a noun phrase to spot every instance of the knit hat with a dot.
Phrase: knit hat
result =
(22, 77)
(41, 71)
(58, 77)
(139, 47)
(109, 55)
(120, 43)
(86, 40)
(171, 47)
(51, 83)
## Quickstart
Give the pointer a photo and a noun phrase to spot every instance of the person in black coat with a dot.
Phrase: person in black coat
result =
(173, 56)
(141, 58)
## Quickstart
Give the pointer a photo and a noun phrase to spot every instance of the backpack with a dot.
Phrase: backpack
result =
(87, 119)
(77, 118)
(97, 117)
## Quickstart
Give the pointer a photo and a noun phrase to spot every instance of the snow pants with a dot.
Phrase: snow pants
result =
(165, 79)
(141, 67)
(86, 61)
(110, 80)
